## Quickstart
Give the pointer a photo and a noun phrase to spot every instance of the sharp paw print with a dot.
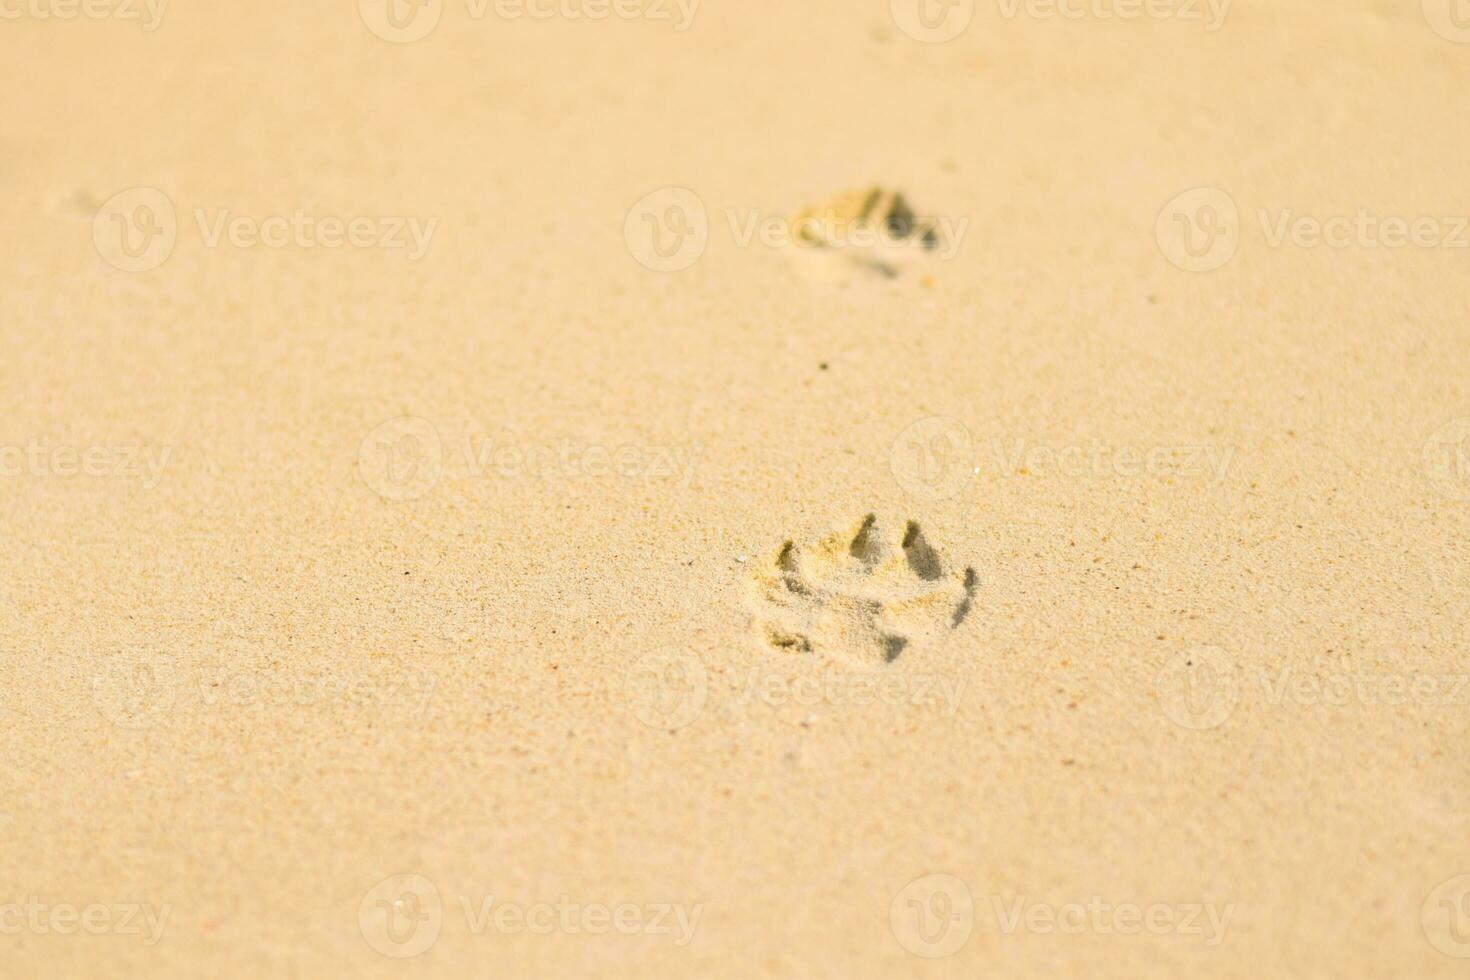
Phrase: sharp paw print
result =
(860, 595)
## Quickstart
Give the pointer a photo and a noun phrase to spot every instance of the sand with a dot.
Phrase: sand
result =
(404, 420)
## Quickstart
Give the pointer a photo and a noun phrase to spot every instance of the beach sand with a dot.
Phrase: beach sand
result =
(406, 414)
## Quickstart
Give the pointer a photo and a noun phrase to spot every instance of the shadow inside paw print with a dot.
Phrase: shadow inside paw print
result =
(861, 595)
(873, 229)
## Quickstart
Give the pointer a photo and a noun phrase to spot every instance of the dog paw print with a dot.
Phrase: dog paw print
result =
(873, 228)
(860, 595)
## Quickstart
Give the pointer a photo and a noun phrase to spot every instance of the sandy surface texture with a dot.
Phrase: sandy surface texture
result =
(631, 488)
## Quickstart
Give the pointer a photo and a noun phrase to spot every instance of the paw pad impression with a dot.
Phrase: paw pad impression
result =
(862, 595)
(873, 228)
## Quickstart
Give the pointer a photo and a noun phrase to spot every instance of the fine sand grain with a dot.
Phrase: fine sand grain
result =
(458, 524)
